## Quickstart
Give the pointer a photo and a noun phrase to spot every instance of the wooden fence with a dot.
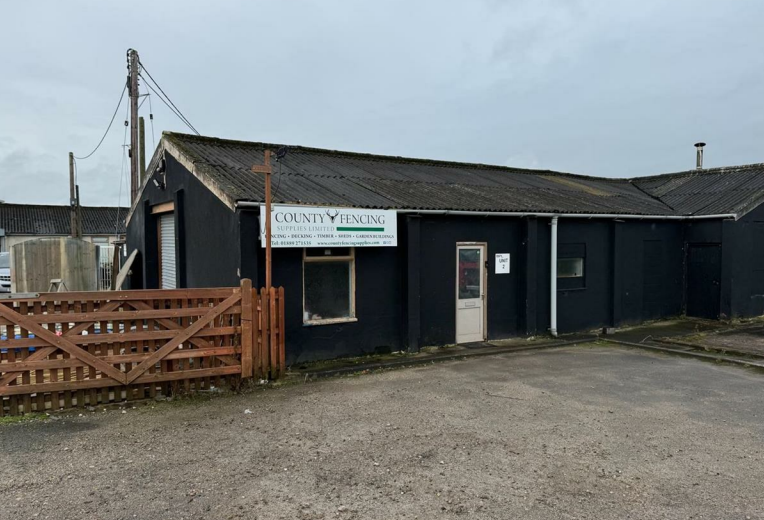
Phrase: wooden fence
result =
(60, 350)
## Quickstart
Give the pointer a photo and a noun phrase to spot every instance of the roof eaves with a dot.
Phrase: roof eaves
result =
(189, 161)
(198, 167)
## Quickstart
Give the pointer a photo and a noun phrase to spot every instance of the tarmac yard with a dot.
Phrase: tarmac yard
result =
(594, 431)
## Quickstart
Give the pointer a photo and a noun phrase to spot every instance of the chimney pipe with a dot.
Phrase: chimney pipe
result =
(699, 155)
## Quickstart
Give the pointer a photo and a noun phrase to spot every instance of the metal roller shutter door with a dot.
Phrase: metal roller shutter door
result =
(167, 242)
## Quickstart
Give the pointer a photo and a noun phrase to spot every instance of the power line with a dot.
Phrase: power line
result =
(177, 110)
(121, 96)
(279, 184)
(151, 119)
(280, 154)
(178, 114)
(174, 108)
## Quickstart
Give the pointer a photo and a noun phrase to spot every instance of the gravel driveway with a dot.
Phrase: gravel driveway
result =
(583, 432)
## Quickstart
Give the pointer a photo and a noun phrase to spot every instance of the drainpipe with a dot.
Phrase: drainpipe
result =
(553, 280)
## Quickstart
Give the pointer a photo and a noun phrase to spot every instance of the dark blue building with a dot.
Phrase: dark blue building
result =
(482, 251)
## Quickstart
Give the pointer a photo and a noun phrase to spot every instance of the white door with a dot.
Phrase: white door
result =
(470, 293)
(167, 250)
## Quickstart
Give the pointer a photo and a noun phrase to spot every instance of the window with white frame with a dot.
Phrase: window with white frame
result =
(328, 285)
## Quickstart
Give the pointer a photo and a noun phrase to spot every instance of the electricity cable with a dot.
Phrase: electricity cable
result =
(175, 108)
(121, 96)
(178, 114)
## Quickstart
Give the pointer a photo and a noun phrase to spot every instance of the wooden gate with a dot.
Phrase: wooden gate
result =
(59, 350)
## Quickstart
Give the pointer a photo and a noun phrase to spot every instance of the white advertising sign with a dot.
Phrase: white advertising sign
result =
(321, 226)
(502, 263)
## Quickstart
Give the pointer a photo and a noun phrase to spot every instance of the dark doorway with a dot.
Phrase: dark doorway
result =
(704, 264)
(655, 290)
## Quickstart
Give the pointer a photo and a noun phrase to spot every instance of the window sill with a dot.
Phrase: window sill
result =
(332, 321)
(572, 289)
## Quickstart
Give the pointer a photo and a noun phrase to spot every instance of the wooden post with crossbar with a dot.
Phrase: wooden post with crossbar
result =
(267, 170)
(247, 317)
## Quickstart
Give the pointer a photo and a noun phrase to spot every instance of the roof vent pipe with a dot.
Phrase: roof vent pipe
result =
(699, 155)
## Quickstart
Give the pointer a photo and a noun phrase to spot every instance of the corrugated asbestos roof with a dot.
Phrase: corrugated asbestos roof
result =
(33, 219)
(327, 177)
(735, 189)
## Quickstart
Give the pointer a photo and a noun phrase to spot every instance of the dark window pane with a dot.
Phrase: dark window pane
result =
(327, 251)
(570, 267)
(469, 273)
(327, 290)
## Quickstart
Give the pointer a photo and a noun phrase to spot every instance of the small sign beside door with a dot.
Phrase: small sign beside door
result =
(502, 263)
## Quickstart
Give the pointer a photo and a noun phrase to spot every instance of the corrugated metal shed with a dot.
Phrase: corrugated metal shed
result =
(34, 219)
(328, 177)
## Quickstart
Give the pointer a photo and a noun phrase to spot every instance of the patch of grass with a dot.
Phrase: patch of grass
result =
(349, 362)
(185, 399)
(693, 338)
(15, 419)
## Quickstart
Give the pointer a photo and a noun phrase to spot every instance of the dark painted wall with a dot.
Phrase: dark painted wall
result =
(651, 271)
(207, 232)
(135, 238)
(633, 272)
(578, 308)
(743, 248)
(439, 236)
(379, 300)
(249, 245)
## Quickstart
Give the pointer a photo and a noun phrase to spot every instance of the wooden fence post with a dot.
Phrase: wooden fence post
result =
(247, 316)
(255, 326)
(258, 329)
(273, 315)
(264, 332)
(282, 341)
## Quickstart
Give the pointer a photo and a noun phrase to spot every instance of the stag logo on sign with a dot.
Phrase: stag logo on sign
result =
(332, 217)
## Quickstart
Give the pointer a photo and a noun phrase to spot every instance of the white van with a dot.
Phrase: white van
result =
(5, 272)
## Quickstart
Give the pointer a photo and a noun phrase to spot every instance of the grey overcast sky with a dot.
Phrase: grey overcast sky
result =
(603, 87)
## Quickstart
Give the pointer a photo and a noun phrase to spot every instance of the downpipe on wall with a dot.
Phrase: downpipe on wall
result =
(553, 281)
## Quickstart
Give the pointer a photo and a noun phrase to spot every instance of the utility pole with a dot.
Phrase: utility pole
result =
(142, 139)
(266, 169)
(78, 211)
(133, 65)
(73, 200)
